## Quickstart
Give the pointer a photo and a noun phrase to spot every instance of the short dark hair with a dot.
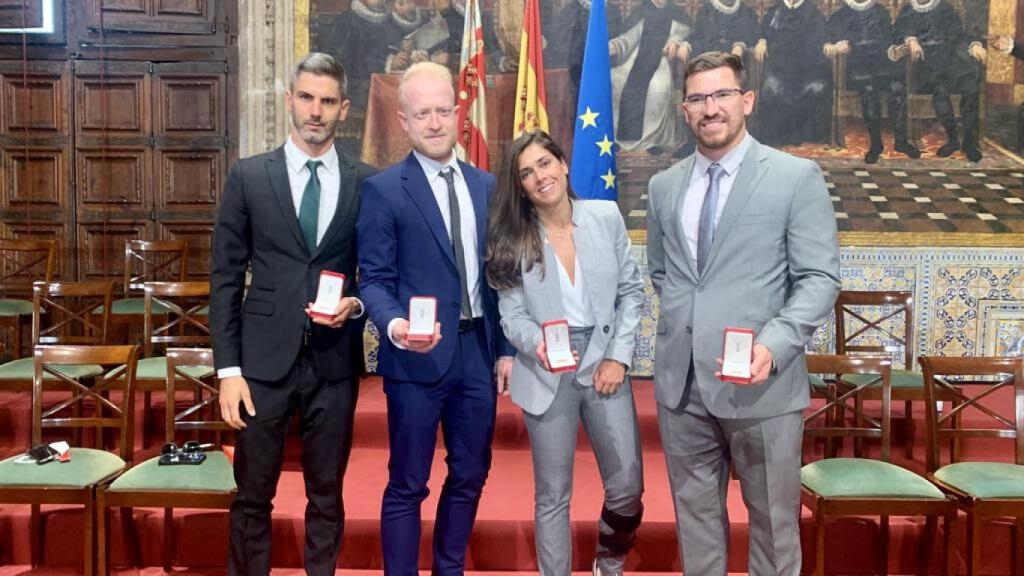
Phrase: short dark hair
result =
(320, 64)
(714, 60)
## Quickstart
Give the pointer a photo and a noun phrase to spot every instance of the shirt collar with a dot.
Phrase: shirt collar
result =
(297, 158)
(432, 168)
(730, 162)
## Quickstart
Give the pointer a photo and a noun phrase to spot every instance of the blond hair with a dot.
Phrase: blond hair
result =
(423, 69)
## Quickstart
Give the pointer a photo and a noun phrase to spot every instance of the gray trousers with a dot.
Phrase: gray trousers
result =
(610, 423)
(765, 454)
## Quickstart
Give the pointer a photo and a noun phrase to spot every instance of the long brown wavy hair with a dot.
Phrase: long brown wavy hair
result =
(513, 232)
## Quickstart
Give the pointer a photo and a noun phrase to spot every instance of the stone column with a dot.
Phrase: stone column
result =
(266, 47)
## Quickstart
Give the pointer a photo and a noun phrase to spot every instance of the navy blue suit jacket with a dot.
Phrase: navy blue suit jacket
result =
(405, 251)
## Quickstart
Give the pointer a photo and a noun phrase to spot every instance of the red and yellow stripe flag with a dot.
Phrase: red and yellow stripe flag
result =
(531, 108)
(471, 145)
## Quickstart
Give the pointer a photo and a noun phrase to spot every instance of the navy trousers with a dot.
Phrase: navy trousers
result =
(463, 403)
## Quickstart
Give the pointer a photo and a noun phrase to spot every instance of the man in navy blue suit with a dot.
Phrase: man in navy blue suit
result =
(421, 231)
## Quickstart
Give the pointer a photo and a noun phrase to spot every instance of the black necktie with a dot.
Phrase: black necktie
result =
(448, 174)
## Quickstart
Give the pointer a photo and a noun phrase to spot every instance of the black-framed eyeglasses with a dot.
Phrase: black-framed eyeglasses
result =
(190, 447)
(721, 97)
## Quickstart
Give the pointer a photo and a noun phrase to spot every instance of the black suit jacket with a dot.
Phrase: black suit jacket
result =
(1018, 49)
(257, 228)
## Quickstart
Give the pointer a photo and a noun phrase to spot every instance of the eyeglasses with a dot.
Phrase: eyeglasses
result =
(190, 447)
(721, 97)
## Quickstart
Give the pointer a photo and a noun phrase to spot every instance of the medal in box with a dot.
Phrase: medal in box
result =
(559, 346)
(737, 355)
(422, 318)
(328, 294)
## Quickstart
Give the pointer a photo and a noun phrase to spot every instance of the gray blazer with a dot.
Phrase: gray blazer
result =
(616, 293)
(773, 267)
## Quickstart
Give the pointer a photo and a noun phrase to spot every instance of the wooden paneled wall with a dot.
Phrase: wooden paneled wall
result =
(118, 125)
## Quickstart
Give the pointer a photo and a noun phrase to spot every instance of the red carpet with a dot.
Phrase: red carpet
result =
(503, 537)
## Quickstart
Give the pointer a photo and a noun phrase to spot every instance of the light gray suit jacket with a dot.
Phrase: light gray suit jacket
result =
(773, 267)
(616, 292)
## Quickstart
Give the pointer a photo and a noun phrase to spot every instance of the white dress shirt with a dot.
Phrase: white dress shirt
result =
(330, 186)
(579, 311)
(467, 219)
(698, 187)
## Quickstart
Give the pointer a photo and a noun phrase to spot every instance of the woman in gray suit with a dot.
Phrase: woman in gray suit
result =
(551, 257)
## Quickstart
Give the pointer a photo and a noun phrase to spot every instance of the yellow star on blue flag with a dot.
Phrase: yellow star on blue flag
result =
(593, 156)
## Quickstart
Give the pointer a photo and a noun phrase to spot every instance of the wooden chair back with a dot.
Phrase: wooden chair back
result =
(186, 321)
(114, 411)
(71, 312)
(970, 380)
(823, 421)
(23, 262)
(153, 261)
(204, 412)
(875, 322)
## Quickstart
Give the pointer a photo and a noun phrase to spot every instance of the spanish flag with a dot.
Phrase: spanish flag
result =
(471, 145)
(531, 108)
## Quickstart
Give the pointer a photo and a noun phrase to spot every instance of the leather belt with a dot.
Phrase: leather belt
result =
(470, 324)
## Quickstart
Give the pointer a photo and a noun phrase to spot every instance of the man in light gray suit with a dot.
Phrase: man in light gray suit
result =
(739, 235)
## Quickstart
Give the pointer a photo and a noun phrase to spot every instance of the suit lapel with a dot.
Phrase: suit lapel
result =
(415, 184)
(277, 173)
(679, 198)
(479, 197)
(752, 169)
(588, 255)
(346, 197)
(546, 286)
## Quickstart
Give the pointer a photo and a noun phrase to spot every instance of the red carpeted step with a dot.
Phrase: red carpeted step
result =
(502, 539)
(509, 433)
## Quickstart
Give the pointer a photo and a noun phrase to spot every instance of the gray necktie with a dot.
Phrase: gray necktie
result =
(448, 173)
(706, 230)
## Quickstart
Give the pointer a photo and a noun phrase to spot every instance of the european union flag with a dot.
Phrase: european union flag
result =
(593, 160)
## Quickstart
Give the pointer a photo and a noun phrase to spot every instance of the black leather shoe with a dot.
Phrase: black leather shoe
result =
(872, 156)
(909, 149)
(948, 148)
(973, 153)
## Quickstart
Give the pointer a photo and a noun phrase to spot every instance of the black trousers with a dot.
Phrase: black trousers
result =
(326, 408)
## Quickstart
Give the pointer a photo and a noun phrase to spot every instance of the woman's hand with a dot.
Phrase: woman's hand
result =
(609, 376)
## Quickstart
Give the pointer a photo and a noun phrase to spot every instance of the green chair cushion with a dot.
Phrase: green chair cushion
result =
(87, 467)
(900, 379)
(12, 307)
(985, 479)
(23, 369)
(214, 474)
(864, 478)
(156, 369)
(133, 306)
(816, 381)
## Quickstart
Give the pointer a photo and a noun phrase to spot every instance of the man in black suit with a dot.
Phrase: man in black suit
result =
(286, 216)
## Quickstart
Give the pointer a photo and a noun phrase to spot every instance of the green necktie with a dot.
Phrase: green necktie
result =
(309, 208)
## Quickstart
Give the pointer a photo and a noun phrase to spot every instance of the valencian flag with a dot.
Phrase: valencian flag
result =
(593, 160)
(472, 119)
(531, 108)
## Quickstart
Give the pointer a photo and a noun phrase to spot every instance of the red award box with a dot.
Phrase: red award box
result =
(559, 346)
(328, 294)
(737, 355)
(422, 317)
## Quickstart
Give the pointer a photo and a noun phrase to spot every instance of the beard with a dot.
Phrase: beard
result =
(315, 136)
(720, 138)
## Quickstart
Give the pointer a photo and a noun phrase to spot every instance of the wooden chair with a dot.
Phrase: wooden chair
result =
(174, 314)
(207, 485)
(863, 486)
(881, 322)
(984, 490)
(21, 263)
(72, 482)
(148, 261)
(63, 313)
